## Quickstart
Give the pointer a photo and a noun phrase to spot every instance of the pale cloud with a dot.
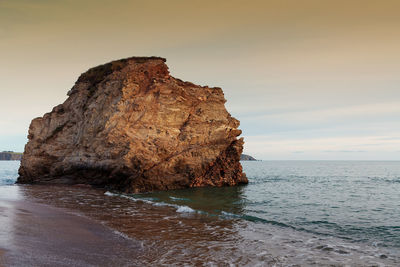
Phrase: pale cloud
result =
(345, 151)
(275, 146)
(347, 113)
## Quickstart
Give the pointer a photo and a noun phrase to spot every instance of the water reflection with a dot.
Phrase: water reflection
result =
(7, 222)
(9, 213)
(10, 192)
(211, 200)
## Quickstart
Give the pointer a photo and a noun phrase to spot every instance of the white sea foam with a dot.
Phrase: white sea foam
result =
(121, 234)
(185, 209)
(180, 209)
(178, 198)
(108, 193)
(163, 204)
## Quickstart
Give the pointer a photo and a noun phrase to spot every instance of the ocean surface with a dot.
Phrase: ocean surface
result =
(292, 213)
(8, 172)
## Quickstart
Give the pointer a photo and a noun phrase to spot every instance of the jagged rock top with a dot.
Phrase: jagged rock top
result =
(97, 74)
(130, 126)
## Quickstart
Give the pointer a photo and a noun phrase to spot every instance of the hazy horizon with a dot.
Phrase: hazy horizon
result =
(308, 80)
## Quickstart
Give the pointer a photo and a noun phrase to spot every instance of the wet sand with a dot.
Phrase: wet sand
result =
(78, 226)
(2, 263)
(169, 238)
(34, 234)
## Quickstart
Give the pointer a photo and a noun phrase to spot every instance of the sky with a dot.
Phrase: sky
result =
(309, 80)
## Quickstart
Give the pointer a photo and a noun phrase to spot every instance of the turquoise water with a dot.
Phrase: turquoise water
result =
(355, 201)
(358, 201)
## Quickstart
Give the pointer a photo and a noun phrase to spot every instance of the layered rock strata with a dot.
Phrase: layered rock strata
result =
(130, 126)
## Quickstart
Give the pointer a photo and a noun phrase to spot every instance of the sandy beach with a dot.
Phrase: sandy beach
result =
(2, 251)
(34, 234)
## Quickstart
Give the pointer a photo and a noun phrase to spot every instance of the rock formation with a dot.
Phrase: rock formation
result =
(247, 157)
(130, 126)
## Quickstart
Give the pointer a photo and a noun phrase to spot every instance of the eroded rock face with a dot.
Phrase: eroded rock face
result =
(129, 126)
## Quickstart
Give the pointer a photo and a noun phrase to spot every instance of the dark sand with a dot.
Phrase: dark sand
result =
(34, 234)
(2, 263)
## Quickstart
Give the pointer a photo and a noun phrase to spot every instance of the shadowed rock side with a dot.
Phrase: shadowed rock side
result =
(129, 126)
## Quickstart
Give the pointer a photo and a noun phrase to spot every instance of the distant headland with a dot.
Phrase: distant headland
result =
(10, 155)
(246, 157)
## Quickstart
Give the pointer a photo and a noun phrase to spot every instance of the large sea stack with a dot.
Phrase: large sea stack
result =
(130, 126)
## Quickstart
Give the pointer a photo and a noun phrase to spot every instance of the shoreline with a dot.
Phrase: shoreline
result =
(36, 234)
(72, 225)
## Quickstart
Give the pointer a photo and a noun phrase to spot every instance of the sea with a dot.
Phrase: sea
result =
(292, 213)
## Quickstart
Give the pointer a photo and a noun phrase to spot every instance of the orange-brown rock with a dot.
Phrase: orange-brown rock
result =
(129, 126)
